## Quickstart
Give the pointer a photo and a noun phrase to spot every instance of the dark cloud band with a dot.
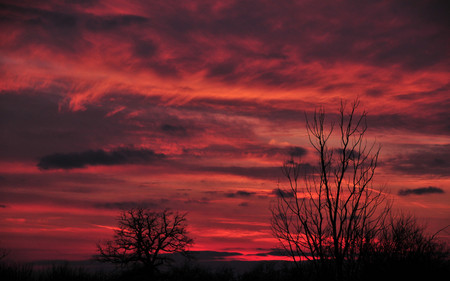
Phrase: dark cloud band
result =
(118, 156)
(240, 193)
(421, 191)
(282, 193)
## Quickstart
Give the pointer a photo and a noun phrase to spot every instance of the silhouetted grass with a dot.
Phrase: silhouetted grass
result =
(16, 271)
(378, 268)
(27, 272)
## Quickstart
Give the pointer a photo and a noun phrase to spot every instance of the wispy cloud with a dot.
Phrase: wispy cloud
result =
(427, 159)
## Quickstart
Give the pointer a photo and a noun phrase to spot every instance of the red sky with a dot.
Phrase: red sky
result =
(194, 106)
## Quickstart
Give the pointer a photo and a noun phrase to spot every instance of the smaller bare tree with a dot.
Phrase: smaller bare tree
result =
(142, 236)
(404, 250)
(405, 238)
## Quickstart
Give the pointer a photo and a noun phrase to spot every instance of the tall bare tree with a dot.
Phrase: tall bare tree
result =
(331, 213)
(143, 235)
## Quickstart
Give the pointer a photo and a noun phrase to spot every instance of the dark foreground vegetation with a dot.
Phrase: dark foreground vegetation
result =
(27, 272)
(413, 268)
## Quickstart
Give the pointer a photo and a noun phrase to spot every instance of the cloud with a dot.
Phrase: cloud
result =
(145, 48)
(420, 191)
(349, 153)
(375, 92)
(222, 70)
(238, 150)
(126, 205)
(105, 23)
(174, 129)
(275, 252)
(139, 117)
(118, 156)
(213, 255)
(202, 201)
(259, 44)
(239, 193)
(282, 193)
(427, 159)
(297, 151)
(436, 123)
(250, 172)
(34, 119)
(76, 181)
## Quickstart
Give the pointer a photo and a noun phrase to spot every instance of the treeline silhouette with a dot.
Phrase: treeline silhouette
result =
(423, 268)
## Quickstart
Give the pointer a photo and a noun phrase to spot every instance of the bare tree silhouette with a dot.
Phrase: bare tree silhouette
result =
(142, 236)
(330, 215)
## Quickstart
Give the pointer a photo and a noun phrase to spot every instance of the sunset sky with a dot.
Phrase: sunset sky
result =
(194, 105)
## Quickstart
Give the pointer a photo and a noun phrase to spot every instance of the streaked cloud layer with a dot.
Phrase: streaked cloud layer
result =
(195, 105)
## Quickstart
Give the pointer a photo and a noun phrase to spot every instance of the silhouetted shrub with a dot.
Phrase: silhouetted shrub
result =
(16, 271)
(405, 251)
